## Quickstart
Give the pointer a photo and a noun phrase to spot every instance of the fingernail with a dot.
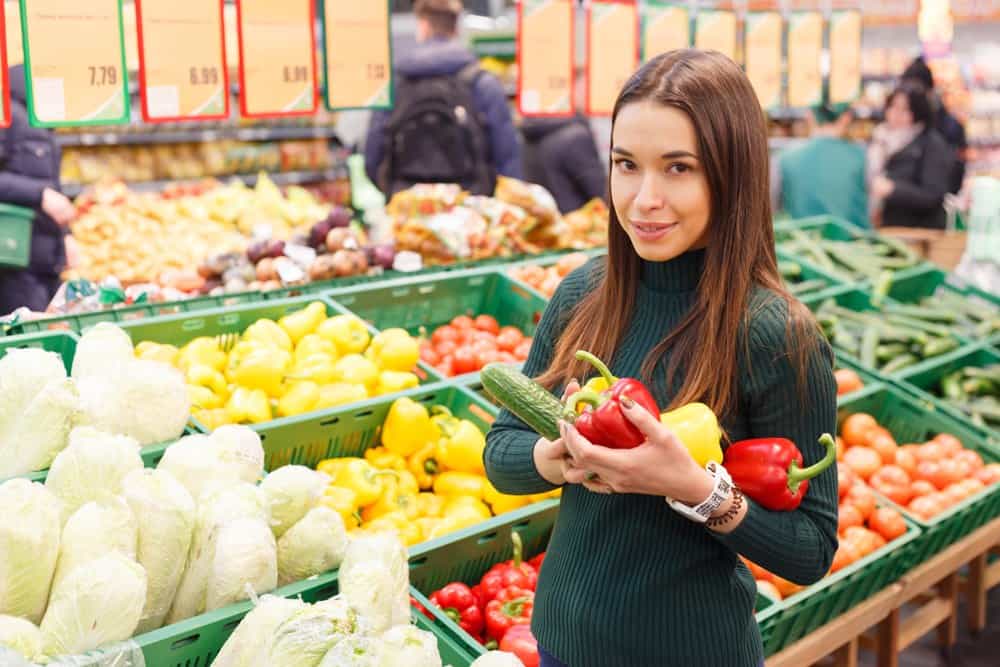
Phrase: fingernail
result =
(627, 402)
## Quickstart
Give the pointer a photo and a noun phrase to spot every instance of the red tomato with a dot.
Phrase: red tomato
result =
(949, 443)
(922, 487)
(989, 474)
(466, 361)
(509, 338)
(847, 516)
(463, 322)
(888, 523)
(893, 483)
(882, 442)
(845, 479)
(855, 428)
(488, 357)
(931, 451)
(429, 355)
(864, 461)
(446, 348)
(925, 507)
(971, 458)
(506, 357)
(862, 498)
(846, 554)
(487, 323)
(445, 333)
(847, 381)
(906, 458)
(523, 349)
(447, 365)
(935, 473)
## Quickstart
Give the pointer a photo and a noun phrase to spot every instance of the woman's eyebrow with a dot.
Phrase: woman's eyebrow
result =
(673, 155)
(621, 151)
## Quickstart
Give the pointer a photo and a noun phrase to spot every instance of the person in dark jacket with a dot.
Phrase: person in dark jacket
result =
(438, 52)
(560, 154)
(909, 163)
(29, 177)
(944, 121)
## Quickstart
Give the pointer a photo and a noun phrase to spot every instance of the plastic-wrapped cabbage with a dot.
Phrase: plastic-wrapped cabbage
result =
(306, 636)
(239, 446)
(29, 547)
(21, 635)
(102, 350)
(357, 651)
(497, 659)
(375, 579)
(252, 636)
(245, 563)
(291, 491)
(194, 462)
(315, 544)
(94, 605)
(410, 646)
(167, 514)
(23, 372)
(91, 467)
(216, 508)
(96, 529)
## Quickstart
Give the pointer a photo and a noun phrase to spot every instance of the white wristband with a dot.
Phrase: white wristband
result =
(721, 490)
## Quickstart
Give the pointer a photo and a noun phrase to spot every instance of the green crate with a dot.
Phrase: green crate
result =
(911, 420)
(15, 236)
(923, 381)
(791, 619)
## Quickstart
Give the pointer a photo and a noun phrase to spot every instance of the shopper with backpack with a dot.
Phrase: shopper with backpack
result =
(450, 122)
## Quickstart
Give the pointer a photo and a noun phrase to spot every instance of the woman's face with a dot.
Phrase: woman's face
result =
(898, 114)
(658, 184)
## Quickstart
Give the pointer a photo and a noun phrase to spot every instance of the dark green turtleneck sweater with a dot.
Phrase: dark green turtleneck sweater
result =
(627, 581)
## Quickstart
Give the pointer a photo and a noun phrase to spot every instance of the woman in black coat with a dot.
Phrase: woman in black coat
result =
(909, 163)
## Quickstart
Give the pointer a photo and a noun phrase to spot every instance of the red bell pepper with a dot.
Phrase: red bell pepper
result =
(769, 470)
(522, 643)
(605, 423)
(461, 606)
(512, 606)
(421, 608)
(477, 591)
(537, 561)
(514, 572)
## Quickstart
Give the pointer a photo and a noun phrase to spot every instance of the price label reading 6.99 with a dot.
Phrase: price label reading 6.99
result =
(204, 76)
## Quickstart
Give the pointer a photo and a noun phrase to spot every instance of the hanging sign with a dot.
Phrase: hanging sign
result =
(357, 47)
(545, 40)
(74, 56)
(277, 57)
(189, 83)
(845, 56)
(612, 52)
(805, 52)
(716, 31)
(665, 27)
(4, 77)
(763, 56)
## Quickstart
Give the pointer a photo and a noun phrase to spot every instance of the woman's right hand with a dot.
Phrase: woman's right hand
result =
(551, 455)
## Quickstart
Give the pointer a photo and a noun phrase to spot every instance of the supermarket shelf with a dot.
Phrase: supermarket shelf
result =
(280, 178)
(194, 136)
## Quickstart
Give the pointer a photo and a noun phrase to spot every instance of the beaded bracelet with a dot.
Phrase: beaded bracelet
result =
(731, 513)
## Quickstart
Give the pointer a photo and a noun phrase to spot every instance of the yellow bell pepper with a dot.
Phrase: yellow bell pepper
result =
(212, 419)
(430, 505)
(347, 332)
(261, 368)
(355, 369)
(459, 518)
(367, 482)
(206, 376)
(248, 405)
(408, 427)
(150, 351)
(204, 398)
(698, 428)
(330, 467)
(314, 344)
(318, 368)
(202, 350)
(597, 384)
(299, 398)
(393, 382)
(462, 444)
(393, 499)
(460, 504)
(394, 350)
(382, 458)
(502, 502)
(344, 502)
(423, 465)
(340, 393)
(428, 525)
(453, 483)
(269, 332)
(304, 321)
(407, 529)
(407, 482)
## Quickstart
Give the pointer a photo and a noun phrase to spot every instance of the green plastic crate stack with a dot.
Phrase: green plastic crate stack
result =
(911, 419)
(15, 236)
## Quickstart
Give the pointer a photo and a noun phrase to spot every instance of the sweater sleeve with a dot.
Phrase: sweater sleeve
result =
(797, 545)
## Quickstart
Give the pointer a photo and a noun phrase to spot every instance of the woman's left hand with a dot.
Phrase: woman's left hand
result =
(883, 187)
(660, 466)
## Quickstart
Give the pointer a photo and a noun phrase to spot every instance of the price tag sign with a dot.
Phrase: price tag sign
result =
(182, 84)
(612, 52)
(805, 50)
(277, 58)
(665, 27)
(74, 56)
(845, 56)
(763, 56)
(545, 40)
(358, 54)
(716, 31)
(4, 78)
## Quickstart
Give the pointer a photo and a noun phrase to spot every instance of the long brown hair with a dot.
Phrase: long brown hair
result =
(732, 145)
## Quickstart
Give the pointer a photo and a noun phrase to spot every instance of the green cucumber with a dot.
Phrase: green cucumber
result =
(526, 399)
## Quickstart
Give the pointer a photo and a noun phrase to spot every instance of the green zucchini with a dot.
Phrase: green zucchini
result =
(526, 399)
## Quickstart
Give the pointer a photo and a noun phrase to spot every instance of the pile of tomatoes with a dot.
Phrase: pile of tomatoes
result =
(466, 344)
(925, 479)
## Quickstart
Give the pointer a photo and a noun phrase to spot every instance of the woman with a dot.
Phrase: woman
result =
(910, 164)
(689, 298)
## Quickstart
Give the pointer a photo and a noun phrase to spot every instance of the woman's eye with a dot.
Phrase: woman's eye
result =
(679, 168)
(625, 165)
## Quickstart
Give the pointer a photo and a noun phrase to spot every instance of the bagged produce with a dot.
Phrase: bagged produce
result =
(251, 638)
(315, 544)
(104, 350)
(166, 515)
(94, 605)
(290, 492)
(245, 563)
(91, 467)
(20, 635)
(410, 646)
(98, 528)
(306, 636)
(194, 461)
(356, 651)
(375, 579)
(497, 659)
(29, 547)
(240, 447)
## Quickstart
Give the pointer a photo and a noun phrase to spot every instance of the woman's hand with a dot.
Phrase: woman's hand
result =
(551, 456)
(661, 466)
(882, 187)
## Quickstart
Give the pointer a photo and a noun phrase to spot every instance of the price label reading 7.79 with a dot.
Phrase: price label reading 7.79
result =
(103, 76)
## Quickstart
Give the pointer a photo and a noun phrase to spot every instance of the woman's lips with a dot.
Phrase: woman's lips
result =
(652, 231)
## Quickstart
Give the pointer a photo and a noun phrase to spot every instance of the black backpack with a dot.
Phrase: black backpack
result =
(436, 135)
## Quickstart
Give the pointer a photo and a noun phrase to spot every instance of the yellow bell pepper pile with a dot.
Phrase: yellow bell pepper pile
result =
(304, 361)
(424, 481)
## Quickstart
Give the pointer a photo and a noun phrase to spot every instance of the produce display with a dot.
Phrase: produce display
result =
(424, 481)
(305, 361)
(546, 279)
(976, 320)
(976, 391)
(847, 381)
(467, 344)
(863, 258)
(792, 274)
